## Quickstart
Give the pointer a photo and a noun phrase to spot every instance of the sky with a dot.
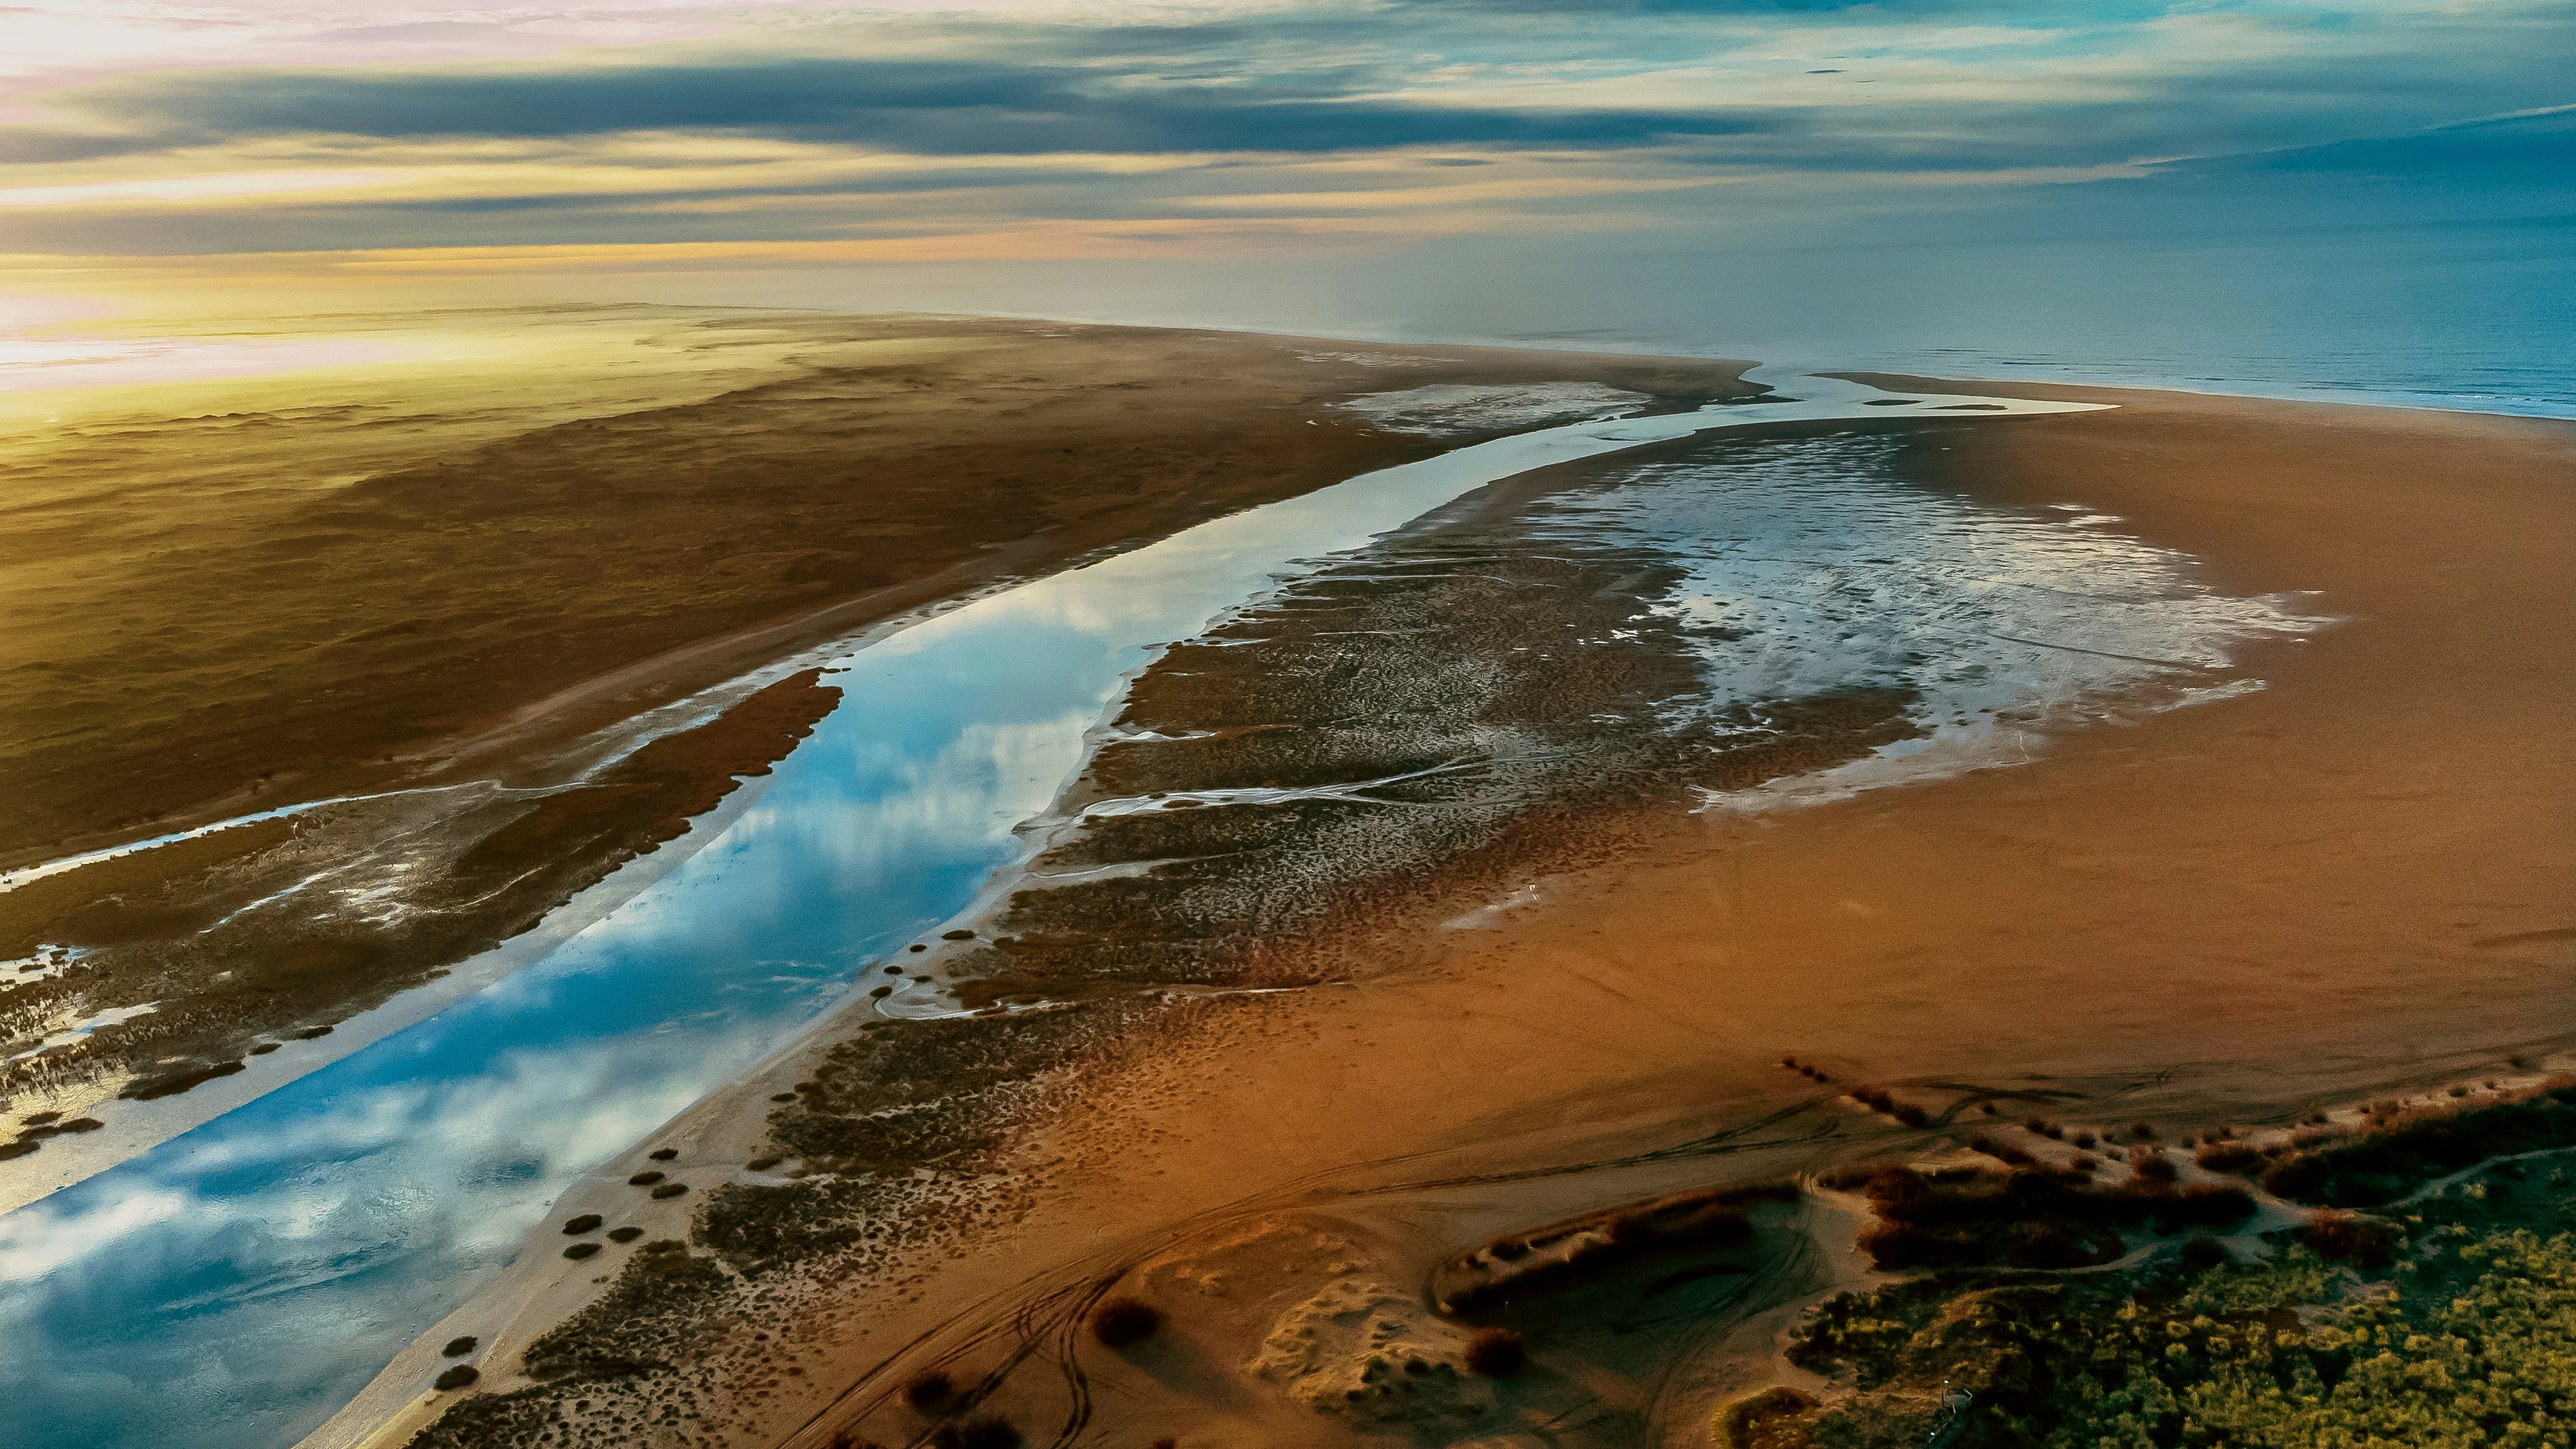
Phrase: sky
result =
(764, 152)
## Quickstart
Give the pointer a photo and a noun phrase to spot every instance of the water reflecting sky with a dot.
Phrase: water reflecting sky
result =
(243, 1279)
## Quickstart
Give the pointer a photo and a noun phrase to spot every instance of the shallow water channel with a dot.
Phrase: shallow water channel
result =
(234, 1285)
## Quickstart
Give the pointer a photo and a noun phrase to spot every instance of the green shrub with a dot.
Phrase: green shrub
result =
(2474, 1349)
(929, 1389)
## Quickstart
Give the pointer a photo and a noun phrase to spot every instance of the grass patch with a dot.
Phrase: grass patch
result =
(629, 1331)
(752, 1226)
(1770, 1419)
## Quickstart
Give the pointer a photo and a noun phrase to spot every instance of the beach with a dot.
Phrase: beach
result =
(2346, 882)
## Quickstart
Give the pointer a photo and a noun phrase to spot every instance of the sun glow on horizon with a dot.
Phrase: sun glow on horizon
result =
(38, 364)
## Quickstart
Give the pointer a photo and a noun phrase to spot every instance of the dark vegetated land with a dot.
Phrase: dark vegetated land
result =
(2386, 1163)
(988, 1431)
(317, 631)
(2456, 1331)
(1523, 1267)
(2026, 1217)
(355, 637)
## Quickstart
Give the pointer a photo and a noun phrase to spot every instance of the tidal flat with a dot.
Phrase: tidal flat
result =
(1590, 885)
(485, 644)
(1324, 975)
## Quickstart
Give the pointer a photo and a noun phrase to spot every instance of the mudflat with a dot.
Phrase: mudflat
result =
(219, 612)
(439, 621)
(2348, 883)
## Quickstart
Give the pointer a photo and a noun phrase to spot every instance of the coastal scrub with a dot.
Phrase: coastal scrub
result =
(2466, 1337)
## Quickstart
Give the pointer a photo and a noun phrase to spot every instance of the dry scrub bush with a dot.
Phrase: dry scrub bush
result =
(1122, 1322)
(1766, 1420)
(1497, 1353)
(989, 1432)
(928, 1389)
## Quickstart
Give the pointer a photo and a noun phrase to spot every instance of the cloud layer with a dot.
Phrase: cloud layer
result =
(1039, 129)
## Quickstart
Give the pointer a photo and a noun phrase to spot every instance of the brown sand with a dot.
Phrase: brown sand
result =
(2355, 876)
(2355, 879)
(2348, 880)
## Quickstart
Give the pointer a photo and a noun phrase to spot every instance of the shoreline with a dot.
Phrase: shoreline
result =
(1790, 358)
(749, 652)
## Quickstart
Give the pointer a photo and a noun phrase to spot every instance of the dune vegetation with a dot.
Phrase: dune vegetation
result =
(2444, 1319)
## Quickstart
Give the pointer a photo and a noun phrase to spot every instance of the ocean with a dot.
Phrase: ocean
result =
(2473, 316)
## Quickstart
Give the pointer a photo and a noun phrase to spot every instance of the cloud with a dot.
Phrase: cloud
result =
(191, 188)
(2535, 146)
(925, 107)
(1045, 125)
(40, 145)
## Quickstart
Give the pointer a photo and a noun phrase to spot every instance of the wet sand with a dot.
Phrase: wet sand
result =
(324, 613)
(2351, 881)
(355, 598)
